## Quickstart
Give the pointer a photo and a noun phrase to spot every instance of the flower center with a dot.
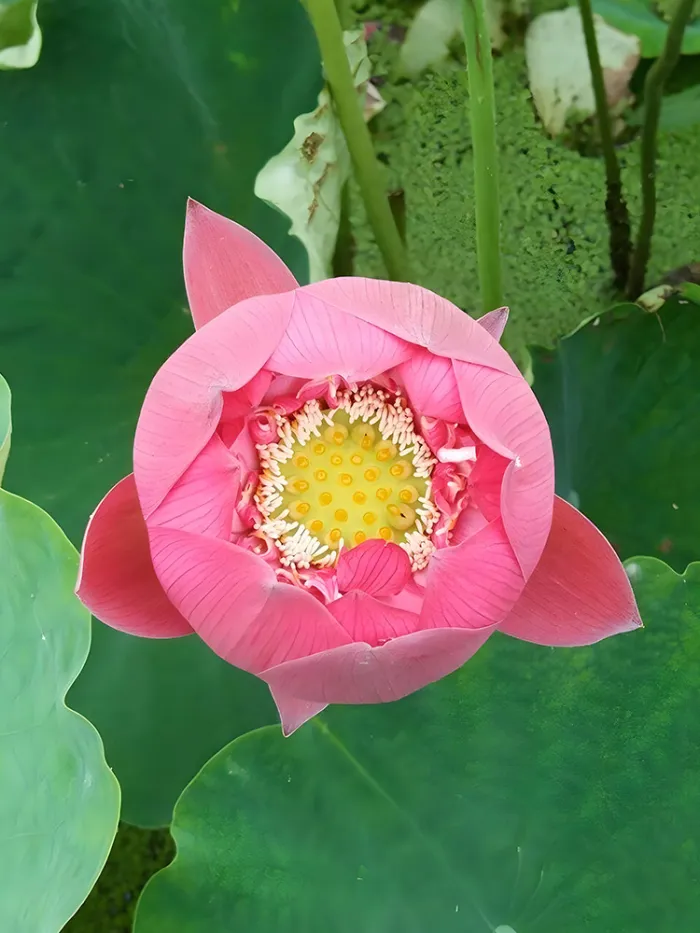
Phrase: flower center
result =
(337, 477)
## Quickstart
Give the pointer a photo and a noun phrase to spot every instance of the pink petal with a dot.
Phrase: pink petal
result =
(494, 322)
(239, 404)
(579, 592)
(416, 315)
(203, 499)
(321, 342)
(486, 481)
(378, 567)
(474, 584)
(294, 713)
(224, 263)
(357, 673)
(431, 386)
(116, 580)
(232, 599)
(184, 402)
(504, 413)
(370, 620)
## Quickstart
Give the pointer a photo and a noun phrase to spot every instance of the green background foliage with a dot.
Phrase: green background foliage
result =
(620, 397)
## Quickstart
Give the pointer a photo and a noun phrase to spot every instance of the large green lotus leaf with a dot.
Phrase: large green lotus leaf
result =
(534, 790)
(639, 18)
(133, 106)
(59, 801)
(621, 397)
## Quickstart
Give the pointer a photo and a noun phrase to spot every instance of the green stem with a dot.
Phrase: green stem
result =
(615, 205)
(482, 113)
(324, 18)
(653, 91)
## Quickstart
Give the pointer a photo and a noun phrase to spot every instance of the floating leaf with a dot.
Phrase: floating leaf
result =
(305, 180)
(620, 396)
(677, 110)
(559, 72)
(515, 795)
(638, 18)
(20, 35)
(59, 802)
(134, 106)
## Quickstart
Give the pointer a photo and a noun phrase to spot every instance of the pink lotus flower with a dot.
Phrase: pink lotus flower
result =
(344, 488)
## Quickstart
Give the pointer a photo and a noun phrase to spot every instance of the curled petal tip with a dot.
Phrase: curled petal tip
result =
(495, 322)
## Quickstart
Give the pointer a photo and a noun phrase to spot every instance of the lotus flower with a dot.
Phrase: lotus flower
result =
(344, 488)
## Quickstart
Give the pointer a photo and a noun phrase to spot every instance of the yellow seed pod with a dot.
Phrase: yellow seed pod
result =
(364, 436)
(297, 510)
(298, 485)
(336, 434)
(401, 517)
(409, 494)
(334, 536)
(402, 469)
(385, 451)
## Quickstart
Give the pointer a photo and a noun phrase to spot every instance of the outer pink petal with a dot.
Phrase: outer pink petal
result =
(232, 599)
(184, 402)
(224, 263)
(494, 322)
(377, 567)
(321, 342)
(579, 592)
(294, 713)
(370, 620)
(203, 499)
(504, 413)
(357, 673)
(116, 580)
(486, 481)
(431, 386)
(474, 584)
(416, 315)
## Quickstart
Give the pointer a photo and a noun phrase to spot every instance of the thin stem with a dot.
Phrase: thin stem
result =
(324, 18)
(344, 255)
(615, 205)
(653, 91)
(482, 114)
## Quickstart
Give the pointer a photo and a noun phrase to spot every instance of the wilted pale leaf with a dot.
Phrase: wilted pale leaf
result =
(20, 35)
(306, 178)
(560, 76)
(437, 24)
